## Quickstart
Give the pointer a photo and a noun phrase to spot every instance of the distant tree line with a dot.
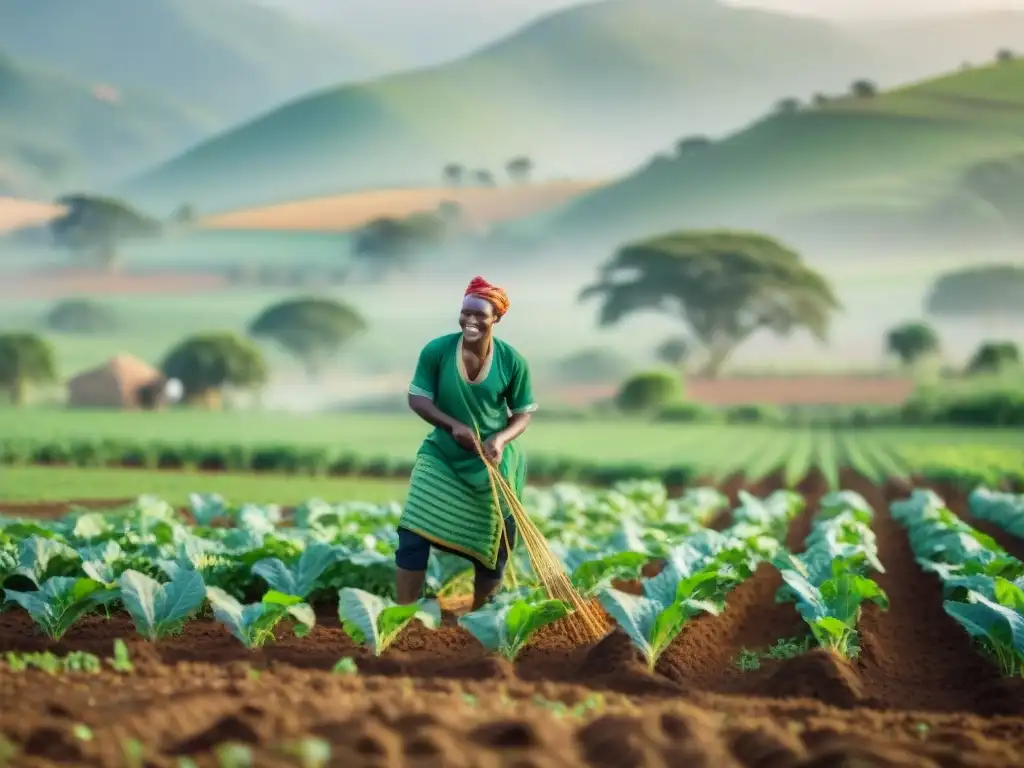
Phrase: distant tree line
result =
(312, 330)
(518, 169)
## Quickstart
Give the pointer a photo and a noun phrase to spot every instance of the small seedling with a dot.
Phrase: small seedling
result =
(345, 666)
(121, 662)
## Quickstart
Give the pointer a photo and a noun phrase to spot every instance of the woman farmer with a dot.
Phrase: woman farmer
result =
(465, 382)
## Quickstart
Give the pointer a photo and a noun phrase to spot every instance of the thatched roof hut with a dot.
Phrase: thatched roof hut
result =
(122, 382)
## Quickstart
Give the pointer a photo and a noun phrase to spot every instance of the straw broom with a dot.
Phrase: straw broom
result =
(585, 619)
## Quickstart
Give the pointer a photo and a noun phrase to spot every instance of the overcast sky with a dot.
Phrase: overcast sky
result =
(880, 8)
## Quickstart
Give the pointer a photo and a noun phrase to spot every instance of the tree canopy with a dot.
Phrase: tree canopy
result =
(311, 329)
(81, 316)
(724, 285)
(912, 341)
(989, 290)
(994, 357)
(207, 363)
(94, 227)
(25, 360)
(519, 169)
(386, 243)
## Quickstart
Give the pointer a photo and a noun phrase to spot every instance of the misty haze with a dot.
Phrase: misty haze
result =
(483, 383)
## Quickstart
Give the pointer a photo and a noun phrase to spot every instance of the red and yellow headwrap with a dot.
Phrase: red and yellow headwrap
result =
(497, 296)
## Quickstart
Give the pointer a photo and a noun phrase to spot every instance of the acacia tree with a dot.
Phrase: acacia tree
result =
(484, 178)
(724, 285)
(912, 341)
(25, 360)
(519, 169)
(311, 329)
(208, 362)
(989, 292)
(95, 227)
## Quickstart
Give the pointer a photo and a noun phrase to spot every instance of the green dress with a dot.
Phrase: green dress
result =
(450, 501)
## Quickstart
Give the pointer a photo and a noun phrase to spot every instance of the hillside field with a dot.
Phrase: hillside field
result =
(480, 206)
(891, 157)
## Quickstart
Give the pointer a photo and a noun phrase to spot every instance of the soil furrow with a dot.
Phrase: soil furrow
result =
(705, 653)
(914, 656)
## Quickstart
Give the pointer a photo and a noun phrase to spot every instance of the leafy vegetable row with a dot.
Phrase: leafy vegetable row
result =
(699, 573)
(1003, 509)
(983, 586)
(829, 581)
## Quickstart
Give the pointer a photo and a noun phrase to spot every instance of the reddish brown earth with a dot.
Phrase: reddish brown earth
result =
(824, 389)
(918, 694)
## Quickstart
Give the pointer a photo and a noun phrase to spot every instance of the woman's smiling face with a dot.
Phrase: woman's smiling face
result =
(476, 318)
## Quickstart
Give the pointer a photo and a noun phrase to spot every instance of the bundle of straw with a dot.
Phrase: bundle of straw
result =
(585, 619)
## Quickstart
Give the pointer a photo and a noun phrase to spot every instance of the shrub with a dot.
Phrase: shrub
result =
(81, 316)
(649, 391)
(687, 413)
(754, 414)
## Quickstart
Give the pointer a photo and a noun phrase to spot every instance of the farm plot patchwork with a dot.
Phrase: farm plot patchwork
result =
(764, 626)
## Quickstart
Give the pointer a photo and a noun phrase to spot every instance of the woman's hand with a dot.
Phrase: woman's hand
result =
(493, 448)
(464, 436)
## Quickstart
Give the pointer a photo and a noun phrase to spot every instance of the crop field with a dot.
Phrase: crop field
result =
(319, 449)
(743, 626)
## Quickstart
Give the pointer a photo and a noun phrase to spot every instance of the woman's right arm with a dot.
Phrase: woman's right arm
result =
(424, 408)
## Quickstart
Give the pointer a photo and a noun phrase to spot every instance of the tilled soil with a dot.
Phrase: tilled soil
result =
(919, 693)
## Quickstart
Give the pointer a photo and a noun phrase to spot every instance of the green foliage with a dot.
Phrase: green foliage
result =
(649, 392)
(912, 341)
(519, 169)
(96, 226)
(863, 89)
(994, 357)
(312, 329)
(687, 413)
(209, 362)
(25, 359)
(81, 316)
(689, 145)
(754, 414)
(725, 285)
(992, 289)
(387, 243)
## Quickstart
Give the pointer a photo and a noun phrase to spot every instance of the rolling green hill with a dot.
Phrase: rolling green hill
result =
(58, 132)
(887, 164)
(592, 89)
(229, 58)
